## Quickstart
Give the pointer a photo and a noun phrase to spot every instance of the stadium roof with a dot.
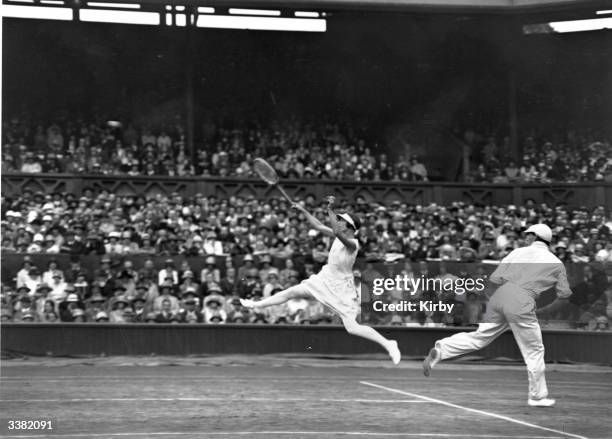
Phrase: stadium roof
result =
(425, 5)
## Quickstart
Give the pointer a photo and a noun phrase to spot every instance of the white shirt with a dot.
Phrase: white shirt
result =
(340, 260)
(535, 269)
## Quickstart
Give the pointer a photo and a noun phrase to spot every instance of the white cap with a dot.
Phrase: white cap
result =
(346, 217)
(38, 237)
(541, 231)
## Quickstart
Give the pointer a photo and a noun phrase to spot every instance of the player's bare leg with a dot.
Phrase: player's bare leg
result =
(354, 328)
(294, 292)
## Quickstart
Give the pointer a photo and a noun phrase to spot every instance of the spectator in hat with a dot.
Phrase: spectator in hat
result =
(229, 282)
(466, 253)
(75, 269)
(247, 264)
(25, 311)
(210, 268)
(81, 286)
(118, 307)
(40, 295)
(78, 316)
(418, 172)
(58, 289)
(52, 245)
(188, 284)
(140, 313)
(272, 283)
(67, 307)
(211, 245)
(38, 243)
(166, 290)
(33, 279)
(190, 313)
(129, 246)
(168, 272)
(147, 289)
(265, 267)
(127, 281)
(94, 245)
(114, 245)
(288, 272)
(210, 286)
(148, 271)
(94, 305)
(101, 317)
(214, 311)
(579, 255)
(52, 270)
(73, 244)
(23, 273)
(248, 284)
(165, 314)
(48, 308)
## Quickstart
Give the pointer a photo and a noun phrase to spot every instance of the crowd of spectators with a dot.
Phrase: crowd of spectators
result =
(573, 158)
(249, 234)
(296, 150)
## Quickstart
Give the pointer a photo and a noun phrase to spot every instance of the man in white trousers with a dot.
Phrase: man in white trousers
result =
(522, 275)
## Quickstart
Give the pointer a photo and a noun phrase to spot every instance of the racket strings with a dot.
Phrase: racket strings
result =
(265, 171)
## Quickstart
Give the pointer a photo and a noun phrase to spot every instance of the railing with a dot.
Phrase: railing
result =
(573, 194)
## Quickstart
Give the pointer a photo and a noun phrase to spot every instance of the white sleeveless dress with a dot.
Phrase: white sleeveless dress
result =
(334, 286)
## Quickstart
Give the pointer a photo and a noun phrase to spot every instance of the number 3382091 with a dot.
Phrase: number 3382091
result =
(14, 424)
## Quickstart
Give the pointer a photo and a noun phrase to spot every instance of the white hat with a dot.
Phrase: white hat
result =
(72, 298)
(101, 315)
(38, 237)
(541, 231)
(114, 235)
(47, 218)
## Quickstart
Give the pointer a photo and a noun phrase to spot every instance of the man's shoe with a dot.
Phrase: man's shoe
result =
(430, 361)
(544, 402)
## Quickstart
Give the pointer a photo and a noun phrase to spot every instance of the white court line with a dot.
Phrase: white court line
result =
(289, 433)
(51, 378)
(200, 399)
(480, 412)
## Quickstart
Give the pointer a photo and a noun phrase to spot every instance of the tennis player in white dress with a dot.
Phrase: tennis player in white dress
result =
(334, 285)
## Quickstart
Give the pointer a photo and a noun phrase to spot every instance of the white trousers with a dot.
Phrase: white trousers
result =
(510, 307)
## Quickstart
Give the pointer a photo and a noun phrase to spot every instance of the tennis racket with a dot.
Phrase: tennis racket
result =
(267, 173)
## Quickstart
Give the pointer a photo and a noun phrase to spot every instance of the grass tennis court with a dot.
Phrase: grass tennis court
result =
(285, 397)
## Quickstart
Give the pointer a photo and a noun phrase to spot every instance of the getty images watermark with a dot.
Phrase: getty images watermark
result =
(411, 286)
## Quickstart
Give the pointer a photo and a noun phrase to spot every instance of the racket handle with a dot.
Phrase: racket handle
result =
(282, 191)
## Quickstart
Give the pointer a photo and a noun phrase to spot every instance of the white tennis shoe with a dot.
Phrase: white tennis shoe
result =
(431, 360)
(394, 352)
(544, 402)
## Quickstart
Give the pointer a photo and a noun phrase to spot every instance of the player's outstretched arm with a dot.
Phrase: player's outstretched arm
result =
(348, 243)
(315, 223)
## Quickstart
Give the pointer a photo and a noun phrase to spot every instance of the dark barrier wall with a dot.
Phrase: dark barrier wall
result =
(143, 339)
(13, 262)
(574, 194)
